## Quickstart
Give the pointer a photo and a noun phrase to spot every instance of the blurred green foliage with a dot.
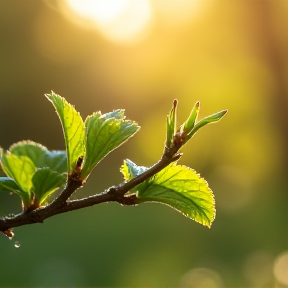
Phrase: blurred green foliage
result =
(232, 55)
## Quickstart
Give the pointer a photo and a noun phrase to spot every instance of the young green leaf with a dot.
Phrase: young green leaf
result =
(73, 128)
(182, 189)
(40, 155)
(104, 133)
(130, 170)
(7, 184)
(207, 120)
(56, 160)
(30, 149)
(45, 182)
(118, 114)
(21, 170)
(190, 122)
(171, 124)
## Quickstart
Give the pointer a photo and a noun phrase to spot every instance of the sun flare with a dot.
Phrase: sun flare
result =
(119, 20)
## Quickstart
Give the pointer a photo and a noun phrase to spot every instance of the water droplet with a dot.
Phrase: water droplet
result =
(17, 244)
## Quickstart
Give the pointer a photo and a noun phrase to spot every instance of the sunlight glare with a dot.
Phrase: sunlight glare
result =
(102, 12)
(125, 21)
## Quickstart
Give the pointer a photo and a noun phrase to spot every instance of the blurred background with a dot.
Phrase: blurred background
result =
(140, 55)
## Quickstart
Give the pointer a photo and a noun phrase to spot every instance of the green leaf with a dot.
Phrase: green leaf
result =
(182, 189)
(207, 120)
(189, 124)
(40, 155)
(21, 162)
(30, 149)
(73, 128)
(21, 170)
(171, 124)
(131, 170)
(7, 184)
(104, 133)
(45, 182)
(118, 114)
(56, 160)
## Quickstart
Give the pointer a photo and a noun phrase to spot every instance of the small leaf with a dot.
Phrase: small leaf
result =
(30, 149)
(207, 120)
(45, 182)
(21, 170)
(56, 160)
(130, 170)
(182, 189)
(7, 184)
(40, 155)
(171, 124)
(73, 128)
(118, 114)
(104, 133)
(190, 122)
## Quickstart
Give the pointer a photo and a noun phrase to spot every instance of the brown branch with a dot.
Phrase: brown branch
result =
(62, 204)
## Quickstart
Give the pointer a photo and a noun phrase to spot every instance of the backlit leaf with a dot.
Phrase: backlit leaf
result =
(45, 182)
(189, 124)
(41, 156)
(73, 128)
(104, 133)
(130, 170)
(7, 184)
(21, 170)
(207, 120)
(182, 189)
(171, 123)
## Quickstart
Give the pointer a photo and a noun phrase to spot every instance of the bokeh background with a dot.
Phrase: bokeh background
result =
(140, 55)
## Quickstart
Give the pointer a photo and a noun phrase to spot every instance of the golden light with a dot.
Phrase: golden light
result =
(101, 12)
(126, 21)
(177, 12)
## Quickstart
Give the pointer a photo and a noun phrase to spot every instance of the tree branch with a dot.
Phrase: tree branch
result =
(62, 204)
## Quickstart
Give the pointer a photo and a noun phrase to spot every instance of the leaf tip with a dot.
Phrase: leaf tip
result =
(225, 111)
(49, 95)
(175, 103)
